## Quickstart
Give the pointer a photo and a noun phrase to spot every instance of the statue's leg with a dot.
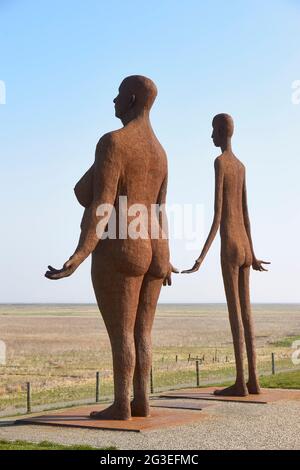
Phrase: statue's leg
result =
(143, 344)
(231, 284)
(253, 383)
(117, 296)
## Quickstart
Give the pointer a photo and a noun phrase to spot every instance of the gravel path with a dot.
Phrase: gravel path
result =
(227, 426)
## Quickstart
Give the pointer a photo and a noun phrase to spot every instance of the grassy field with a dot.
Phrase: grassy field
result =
(59, 348)
(282, 380)
(285, 380)
(44, 445)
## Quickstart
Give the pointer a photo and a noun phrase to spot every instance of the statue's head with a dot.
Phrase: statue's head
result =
(223, 128)
(136, 95)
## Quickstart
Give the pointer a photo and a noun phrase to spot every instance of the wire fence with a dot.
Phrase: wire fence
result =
(166, 374)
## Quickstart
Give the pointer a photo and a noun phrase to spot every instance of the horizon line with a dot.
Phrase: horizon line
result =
(159, 303)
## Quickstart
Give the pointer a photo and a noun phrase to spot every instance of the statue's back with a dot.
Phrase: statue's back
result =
(142, 181)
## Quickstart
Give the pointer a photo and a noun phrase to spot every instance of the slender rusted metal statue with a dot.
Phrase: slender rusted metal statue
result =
(237, 253)
(127, 272)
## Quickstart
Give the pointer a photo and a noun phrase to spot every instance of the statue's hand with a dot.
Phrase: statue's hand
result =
(68, 268)
(168, 278)
(193, 269)
(257, 265)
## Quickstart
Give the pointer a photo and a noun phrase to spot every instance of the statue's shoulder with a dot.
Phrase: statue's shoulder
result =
(109, 142)
(107, 148)
(219, 162)
(240, 164)
(108, 139)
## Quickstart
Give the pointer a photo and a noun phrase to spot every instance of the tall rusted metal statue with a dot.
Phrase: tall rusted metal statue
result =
(237, 253)
(127, 272)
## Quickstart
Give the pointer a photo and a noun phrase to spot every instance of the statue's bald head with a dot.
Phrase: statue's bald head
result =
(223, 128)
(143, 88)
(136, 92)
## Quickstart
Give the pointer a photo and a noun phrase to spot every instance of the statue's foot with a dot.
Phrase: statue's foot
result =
(140, 409)
(253, 387)
(236, 390)
(112, 412)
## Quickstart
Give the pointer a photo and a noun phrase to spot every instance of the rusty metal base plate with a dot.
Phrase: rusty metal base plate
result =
(181, 404)
(79, 417)
(268, 395)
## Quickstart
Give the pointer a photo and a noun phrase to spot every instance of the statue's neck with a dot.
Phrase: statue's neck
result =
(140, 118)
(226, 145)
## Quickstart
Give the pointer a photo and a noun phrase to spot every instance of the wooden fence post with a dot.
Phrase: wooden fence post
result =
(273, 364)
(28, 389)
(151, 381)
(197, 373)
(97, 386)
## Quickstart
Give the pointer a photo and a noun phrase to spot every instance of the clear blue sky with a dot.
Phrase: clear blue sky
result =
(62, 62)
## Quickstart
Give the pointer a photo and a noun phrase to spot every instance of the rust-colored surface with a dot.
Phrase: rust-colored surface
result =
(237, 254)
(182, 404)
(128, 271)
(79, 417)
(266, 395)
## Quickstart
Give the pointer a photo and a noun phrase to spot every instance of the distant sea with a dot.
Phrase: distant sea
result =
(90, 309)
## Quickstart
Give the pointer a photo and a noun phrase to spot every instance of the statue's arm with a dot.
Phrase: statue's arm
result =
(105, 184)
(219, 179)
(246, 217)
(84, 188)
(161, 201)
(256, 264)
(163, 225)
